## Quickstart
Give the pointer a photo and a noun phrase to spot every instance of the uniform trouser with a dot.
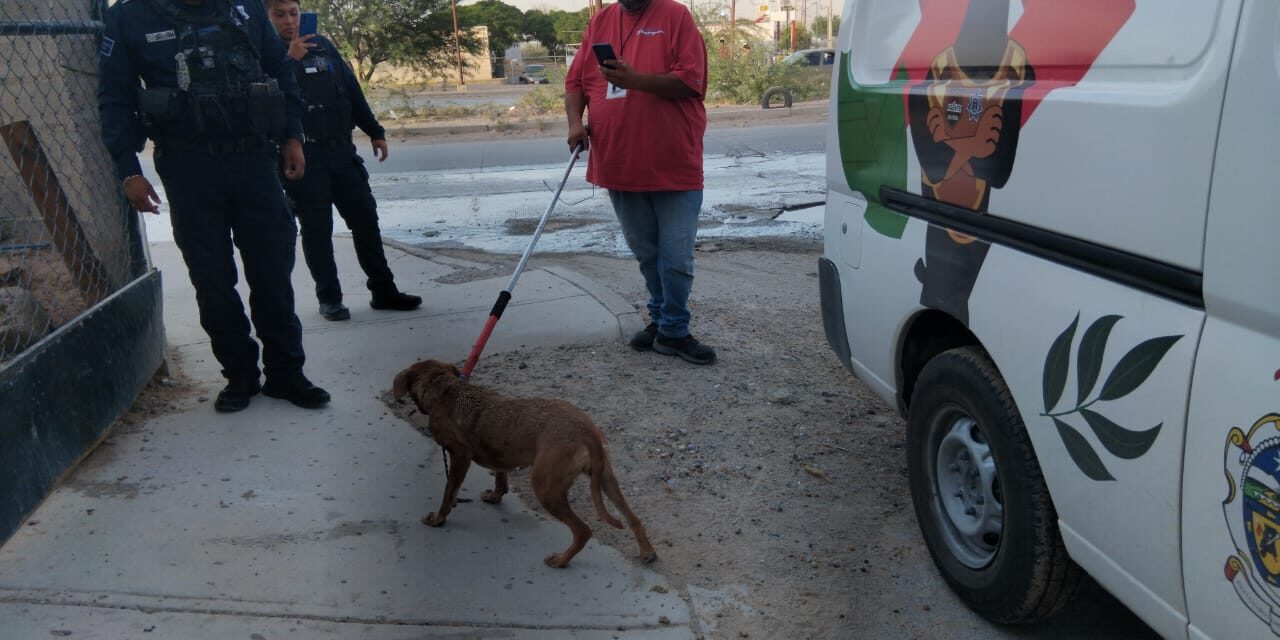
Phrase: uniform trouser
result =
(215, 201)
(338, 178)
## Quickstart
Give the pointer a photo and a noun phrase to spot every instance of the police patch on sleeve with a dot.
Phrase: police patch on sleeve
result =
(106, 47)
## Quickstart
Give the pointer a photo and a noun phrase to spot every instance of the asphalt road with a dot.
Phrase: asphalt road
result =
(429, 155)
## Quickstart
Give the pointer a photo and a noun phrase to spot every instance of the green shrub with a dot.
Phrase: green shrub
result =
(743, 79)
(546, 98)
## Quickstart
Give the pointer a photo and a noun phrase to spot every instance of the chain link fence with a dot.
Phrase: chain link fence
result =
(81, 309)
(67, 239)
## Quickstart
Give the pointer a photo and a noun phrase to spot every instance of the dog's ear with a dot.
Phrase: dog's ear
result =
(433, 386)
(403, 381)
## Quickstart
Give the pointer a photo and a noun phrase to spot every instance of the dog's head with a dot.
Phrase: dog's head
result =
(426, 381)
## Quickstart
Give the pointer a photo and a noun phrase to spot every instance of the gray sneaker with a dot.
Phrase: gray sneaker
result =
(643, 339)
(686, 348)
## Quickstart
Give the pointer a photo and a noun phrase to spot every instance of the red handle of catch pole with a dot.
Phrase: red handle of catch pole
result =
(494, 314)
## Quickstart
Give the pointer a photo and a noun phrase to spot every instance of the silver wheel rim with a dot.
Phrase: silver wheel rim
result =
(971, 510)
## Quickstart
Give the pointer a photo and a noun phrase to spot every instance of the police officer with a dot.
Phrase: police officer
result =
(333, 103)
(219, 99)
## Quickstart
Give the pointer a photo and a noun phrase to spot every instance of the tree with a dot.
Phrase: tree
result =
(417, 33)
(541, 27)
(505, 23)
(570, 25)
(820, 27)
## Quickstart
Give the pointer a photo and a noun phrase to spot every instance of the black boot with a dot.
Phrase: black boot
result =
(235, 396)
(334, 311)
(296, 388)
(395, 301)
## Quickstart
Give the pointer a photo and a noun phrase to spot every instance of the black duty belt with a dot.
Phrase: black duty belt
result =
(219, 147)
(332, 144)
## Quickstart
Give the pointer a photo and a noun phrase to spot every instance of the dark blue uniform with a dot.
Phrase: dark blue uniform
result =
(333, 104)
(217, 155)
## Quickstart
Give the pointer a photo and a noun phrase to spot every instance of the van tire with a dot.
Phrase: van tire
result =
(771, 93)
(961, 410)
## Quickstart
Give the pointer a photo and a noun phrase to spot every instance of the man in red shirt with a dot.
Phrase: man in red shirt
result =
(647, 121)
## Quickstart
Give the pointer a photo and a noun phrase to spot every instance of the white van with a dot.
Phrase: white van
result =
(1052, 242)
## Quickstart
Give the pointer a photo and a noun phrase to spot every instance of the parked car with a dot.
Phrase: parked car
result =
(534, 74)
(1050, 243)
(814, 65)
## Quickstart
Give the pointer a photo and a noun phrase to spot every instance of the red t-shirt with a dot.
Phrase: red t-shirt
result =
(644, 142)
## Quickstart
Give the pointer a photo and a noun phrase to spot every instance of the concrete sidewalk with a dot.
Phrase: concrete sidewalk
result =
(279, 522)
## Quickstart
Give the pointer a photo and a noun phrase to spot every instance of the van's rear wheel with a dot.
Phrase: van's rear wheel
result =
(979, 496)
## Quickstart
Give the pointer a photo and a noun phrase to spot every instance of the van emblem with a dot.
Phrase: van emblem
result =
(954, 109)
(975, 105)
(1251, 461)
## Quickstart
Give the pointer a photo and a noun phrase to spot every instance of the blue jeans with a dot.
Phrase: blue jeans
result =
(660, 227)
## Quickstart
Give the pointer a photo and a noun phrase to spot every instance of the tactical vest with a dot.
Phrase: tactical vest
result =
(223, 96)
(327, 119)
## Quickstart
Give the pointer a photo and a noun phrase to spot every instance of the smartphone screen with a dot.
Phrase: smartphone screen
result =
(604, 51)
(307, 24)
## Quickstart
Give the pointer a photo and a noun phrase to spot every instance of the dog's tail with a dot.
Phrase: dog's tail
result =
(599, 469)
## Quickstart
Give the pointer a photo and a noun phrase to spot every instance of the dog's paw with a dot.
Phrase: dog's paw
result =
(491, 496)
(556, 561)
(432, 520)
(649, 558)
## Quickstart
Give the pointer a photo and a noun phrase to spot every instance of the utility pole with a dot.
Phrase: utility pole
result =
(733, 26)
(457, 45)
(791, 25)
(830, 42)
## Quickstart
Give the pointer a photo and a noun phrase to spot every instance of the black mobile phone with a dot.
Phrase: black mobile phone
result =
(307, 24)
(604, 53)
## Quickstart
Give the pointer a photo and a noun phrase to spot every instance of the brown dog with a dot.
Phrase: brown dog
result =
(502, 434)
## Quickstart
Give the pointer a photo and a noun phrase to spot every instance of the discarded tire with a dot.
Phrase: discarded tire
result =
(774, 92)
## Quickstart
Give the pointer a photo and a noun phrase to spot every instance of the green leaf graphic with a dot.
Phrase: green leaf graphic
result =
(1081, 453)
(1121, 442)
(1057, 364)
(873, 143)
(1089, 360)
(1134, 368)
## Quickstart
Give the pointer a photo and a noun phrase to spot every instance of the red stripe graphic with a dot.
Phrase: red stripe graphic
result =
(1062, 38)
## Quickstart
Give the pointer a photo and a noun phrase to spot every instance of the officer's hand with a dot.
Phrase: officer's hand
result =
(141, 194)
(292, 161)
(380, 150)
(579, 135)
(299, 46)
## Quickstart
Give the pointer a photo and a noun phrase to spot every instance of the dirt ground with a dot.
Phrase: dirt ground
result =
(762, 479)
(772, 483)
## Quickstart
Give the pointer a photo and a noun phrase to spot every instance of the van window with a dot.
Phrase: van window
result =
(883, 29)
